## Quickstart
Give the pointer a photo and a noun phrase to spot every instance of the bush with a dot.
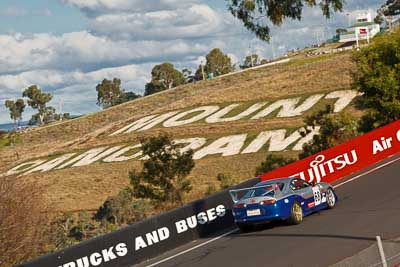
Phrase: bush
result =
(378, 78)
(122, 209)
(115, 212)
(61, 227)
(83, 228)
(225, 181)
(334, 130)
(272, 162)
(211, 189)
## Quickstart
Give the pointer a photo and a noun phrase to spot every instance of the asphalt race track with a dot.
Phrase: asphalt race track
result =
(369, 205)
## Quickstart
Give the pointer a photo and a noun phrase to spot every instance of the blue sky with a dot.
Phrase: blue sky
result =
(68, 46)
(39, 16)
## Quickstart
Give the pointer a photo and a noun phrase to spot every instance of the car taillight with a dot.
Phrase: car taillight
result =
(268, 202)
(239, 206)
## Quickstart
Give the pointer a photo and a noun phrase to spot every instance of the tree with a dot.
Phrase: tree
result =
(340, 31)
(255, 14)
(163, 77)
(125, 97)
(217, 63)
(108, 92)
(390, 8)
(379, 19)
(378, 78)
(163, 178)
(38, 100)
(60, 117)
(48, 116)
(250, 61)
(334, 130)
(153, 87)
(273, 162)
(16, 109)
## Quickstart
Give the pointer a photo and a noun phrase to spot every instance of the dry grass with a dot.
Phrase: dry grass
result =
(21, 220)
(87, 187)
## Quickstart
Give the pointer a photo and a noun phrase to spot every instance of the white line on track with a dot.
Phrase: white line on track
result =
(235, 230)
(367, 172)
(190, 249)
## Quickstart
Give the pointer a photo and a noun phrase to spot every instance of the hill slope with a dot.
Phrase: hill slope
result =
(75, 180)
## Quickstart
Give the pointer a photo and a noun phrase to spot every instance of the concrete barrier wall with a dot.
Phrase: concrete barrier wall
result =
(150, 237)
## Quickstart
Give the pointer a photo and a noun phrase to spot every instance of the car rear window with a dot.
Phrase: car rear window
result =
(268, 190)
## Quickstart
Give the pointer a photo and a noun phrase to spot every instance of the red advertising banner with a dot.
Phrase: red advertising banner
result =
(345, 159)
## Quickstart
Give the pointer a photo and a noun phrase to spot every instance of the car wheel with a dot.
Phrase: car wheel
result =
(245, 227)
(296, 214)
(330, 198)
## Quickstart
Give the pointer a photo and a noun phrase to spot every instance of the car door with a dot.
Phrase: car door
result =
(316, 198)
(305, 190)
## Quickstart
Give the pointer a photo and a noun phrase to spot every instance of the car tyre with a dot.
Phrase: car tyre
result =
(296, 214)
(330, 198)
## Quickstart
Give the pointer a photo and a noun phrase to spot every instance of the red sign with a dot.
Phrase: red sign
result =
(338, 162)
(363, 30)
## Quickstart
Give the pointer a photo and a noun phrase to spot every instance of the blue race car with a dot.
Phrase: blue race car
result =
(287, 199)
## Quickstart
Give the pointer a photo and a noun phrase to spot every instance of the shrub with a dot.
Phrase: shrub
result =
(334, 130)
(273, 162)
(225, 181)
(211, 189)
(123, 209)
(378, 78)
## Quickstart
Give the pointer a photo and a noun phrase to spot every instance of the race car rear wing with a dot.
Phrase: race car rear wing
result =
(235, 192)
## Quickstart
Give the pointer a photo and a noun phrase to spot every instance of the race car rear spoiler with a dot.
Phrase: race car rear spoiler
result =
(234, 192)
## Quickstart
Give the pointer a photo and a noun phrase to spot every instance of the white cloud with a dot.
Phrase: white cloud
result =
(125, 38)
(192, 22)
(57, 79)
(108, 6)
(13, 11)
(84, 50)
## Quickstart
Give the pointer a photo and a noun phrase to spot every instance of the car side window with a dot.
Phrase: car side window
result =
(297, 184)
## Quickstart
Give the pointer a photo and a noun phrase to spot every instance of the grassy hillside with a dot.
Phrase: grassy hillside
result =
(87, 187)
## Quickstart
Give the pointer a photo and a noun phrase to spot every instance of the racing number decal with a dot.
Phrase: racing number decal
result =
(317, 195)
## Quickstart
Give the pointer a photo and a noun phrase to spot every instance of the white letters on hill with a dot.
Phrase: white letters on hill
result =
(284, 108)
(274, 140)
(204, 112)
(270, 140)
